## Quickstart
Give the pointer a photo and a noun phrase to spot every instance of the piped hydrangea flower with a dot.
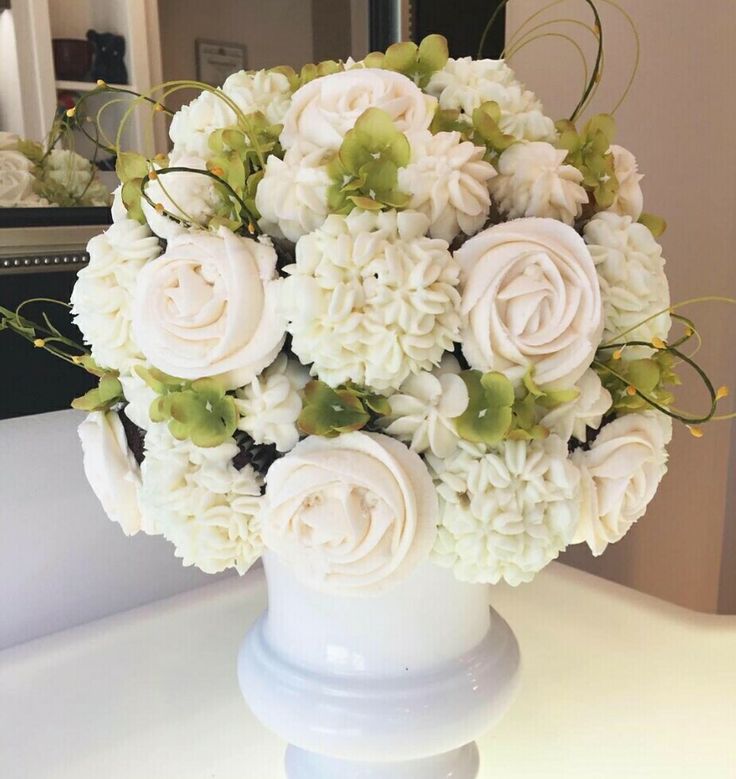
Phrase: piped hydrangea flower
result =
(371, 300)
(534, 180)
(506, 511)
(425, 407)
(102, 299)
(447, 179)
(200, 502)
(633, 283)
(464, 84)
(270, 405)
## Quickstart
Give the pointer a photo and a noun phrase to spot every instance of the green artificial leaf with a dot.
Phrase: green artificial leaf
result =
(329, 412)
(401, 57)
(488, 417)
(130, 166)
(487, 130)
(415, 62)
(108, 393)
(656, 224)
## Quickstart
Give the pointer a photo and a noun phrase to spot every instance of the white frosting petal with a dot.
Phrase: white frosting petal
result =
(629, 200)
(586, 410)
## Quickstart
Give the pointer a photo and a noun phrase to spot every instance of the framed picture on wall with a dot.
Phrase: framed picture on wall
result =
(216, 60)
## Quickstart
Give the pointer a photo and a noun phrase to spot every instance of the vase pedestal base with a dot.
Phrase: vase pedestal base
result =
(459, 764)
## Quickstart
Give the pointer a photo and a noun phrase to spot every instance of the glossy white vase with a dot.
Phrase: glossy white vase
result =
(395, 686)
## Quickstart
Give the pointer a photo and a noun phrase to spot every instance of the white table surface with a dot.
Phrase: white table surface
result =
(615, 685)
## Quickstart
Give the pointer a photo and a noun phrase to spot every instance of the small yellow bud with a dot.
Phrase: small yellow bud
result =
(251, 228)
(152, 175)
(160, 157)
(101, 83)
(39, 343)
(658, 343)
(217, 170)
(722, 392)
(76, 359)
(71, 111)
(617, 354)
(695, 431)
(631, 390)
(158, 107)
(160, 208)
(689, 332)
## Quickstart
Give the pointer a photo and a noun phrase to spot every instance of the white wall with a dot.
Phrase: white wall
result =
(62, 562)
(679, 120)
(11, 112)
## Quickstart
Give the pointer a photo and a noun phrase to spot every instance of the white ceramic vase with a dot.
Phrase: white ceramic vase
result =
(394, 686)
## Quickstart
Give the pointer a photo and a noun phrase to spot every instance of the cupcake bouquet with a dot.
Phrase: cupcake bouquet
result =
(372, 313)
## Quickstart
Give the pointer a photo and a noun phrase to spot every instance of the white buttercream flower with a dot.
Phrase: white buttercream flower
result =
(102, 299)
(76, 175)
(266, 91)
(200, 502)
(8, 141)
(192, 125)
(353, 514)
(270, 405)
(423, 410)
(16, 180)
(534, 181)
(111, 469)
(629, 199)
(620, 474)
(586, 410)
(208, 307)
(191, 197)
(464, 84)
(633, 283)
(372, 300)
(292, 195)
(530, 299)
(505, 512)
(138, 395)
(448, 181)
(323, 110)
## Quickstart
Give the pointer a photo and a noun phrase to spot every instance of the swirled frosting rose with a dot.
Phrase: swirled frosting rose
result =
(620, 474)
(323, 110)
(111, 469)
(207, 307)
(351, 515)
(530, 300)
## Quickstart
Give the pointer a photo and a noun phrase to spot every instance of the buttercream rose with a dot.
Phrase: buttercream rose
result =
(620, 474)
(530, 300)
(323, 110)
(16, 180)
(353, 514)
(207, 307)
(111, 469)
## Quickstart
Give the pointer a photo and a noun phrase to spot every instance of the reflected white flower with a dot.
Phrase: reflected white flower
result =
(17, 180)
(505, 512)
(629, 199)
(447, 179)
(102, 299)
(464, 84)
(370, 299)
(423, 410)
(270, 405)
(350, 515)
(292, 195)
(633, 283)
(587, 410)
(534, 181)
(620, 474)
(76, 175)
(200, 502)
(111, 470)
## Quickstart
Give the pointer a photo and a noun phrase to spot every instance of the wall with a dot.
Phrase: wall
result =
(278, 32)
(62, 562)
(11, 112)
(679, 120)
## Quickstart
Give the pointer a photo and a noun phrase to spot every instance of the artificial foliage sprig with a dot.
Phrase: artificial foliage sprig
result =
(199, 410)
(365, 170)
(417, 62)
(329, 411)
